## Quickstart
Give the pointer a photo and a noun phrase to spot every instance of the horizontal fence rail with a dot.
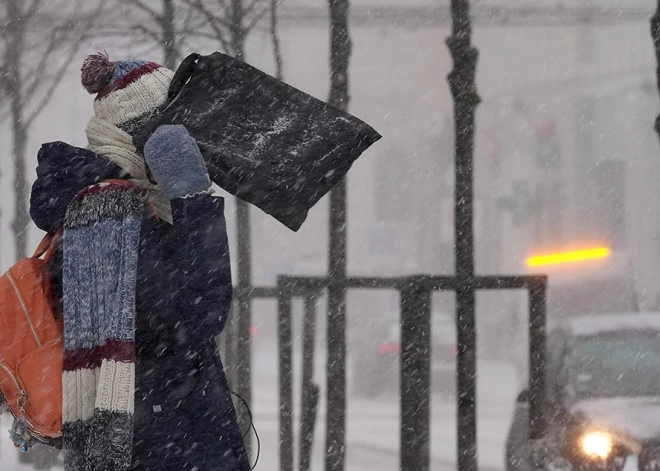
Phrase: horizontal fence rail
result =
(415, 374)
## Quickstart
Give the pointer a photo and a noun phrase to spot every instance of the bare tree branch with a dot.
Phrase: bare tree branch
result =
(222, 39)
(230, 21)
(56, 79)
(255, 20)
(54, 83)
(147, 32)
(138, 3)
(223, 5)
(277, 53)
(4, 81)
(187, 26)
(33, 8)
(35, 32)
(205, 35)
(252, 6)
(38, 78)
(152, 48)
(130, 31)
(213, 21)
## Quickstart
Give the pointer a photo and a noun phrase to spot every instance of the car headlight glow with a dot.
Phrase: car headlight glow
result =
(597, 444)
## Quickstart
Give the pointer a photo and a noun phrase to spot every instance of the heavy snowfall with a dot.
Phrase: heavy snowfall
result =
(565, 173)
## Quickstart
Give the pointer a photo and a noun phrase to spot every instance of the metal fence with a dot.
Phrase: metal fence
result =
(415, 295)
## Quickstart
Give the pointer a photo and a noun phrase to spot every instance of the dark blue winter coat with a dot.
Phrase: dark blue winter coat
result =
(184, 416)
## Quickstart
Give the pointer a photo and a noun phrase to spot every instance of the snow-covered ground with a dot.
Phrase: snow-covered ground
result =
(9, 454)
(372, 425)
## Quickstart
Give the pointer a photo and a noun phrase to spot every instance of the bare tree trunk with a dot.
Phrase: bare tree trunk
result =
(464, 91)
(28, 88)
(244, 239)
(655, 34)
(16, 31)
(170, 45)
(340, 54)
(21, 215)
(154, 22)
(277, 53)
(237, 29)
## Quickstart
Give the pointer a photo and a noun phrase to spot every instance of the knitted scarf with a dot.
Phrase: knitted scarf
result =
(101, 242)
(107, 140)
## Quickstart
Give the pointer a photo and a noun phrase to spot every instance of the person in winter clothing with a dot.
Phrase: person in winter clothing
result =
(144, 278)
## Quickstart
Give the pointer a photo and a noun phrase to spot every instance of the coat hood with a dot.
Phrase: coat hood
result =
(62, 171)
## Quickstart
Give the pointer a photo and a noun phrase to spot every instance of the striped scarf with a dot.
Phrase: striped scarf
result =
(111, 143)
(101, 241)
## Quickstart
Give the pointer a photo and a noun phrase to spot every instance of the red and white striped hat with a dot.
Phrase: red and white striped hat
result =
(126, 91)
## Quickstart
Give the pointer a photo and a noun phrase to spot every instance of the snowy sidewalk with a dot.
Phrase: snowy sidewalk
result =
(373, 431)
(373, 425)
(8, 454)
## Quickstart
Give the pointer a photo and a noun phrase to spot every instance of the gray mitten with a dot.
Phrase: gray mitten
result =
(176, 162)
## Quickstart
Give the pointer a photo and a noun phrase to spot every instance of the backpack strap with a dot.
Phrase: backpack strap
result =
(47, 245)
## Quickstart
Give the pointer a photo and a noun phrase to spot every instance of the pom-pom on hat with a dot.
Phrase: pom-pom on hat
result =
(126, 91)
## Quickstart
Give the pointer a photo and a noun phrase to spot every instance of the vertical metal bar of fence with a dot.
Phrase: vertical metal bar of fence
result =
(537, 357)
(307, 428)
(415, 375)
(285, 345)
(229, 345)
(309, 390)
(309, 340)
(466, 375)
(335, 433)
(243, 356)
(243, 319)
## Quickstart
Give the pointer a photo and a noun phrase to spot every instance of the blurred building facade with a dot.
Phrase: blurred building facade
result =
(565, 152)
(566, 156)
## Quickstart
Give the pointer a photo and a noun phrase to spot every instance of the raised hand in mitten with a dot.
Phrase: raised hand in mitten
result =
(176, 162)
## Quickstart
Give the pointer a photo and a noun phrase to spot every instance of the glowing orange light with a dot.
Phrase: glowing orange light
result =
(567, 257)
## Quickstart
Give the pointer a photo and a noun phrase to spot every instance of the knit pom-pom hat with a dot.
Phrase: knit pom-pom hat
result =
(128, 91)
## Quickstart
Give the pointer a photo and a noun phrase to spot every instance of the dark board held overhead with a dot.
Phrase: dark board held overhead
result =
(263, 140)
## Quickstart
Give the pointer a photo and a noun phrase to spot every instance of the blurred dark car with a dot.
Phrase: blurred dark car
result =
(603, 395)
(375, 355)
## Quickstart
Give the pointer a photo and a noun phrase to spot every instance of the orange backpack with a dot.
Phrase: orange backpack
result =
(31, 349)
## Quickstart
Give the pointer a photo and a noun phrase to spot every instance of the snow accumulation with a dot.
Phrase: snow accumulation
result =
(9, 454)
(372, 425)
(603, 323)
(624, 414)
